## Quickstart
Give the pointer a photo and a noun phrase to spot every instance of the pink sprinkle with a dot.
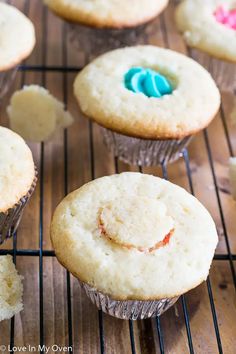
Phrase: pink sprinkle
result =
(226, 17)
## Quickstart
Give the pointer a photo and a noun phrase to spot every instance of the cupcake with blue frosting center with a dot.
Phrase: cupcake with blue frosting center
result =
(146, 96)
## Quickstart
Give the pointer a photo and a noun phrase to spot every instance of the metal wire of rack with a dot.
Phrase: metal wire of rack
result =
(41, 253)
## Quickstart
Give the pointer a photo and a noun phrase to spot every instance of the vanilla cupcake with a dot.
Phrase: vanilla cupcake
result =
(210, 26)
(98, 26)
(149, 101)
(17, 40)
(107, 14)
(135, 242)
(17, 180)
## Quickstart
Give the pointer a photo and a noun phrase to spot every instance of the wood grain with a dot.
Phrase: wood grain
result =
(84, 157)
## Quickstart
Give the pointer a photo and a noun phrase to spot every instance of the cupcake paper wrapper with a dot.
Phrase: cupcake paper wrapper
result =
(6, 78)
(223, 73)
(103, 40)
(10, 220)
(127, 309)
(144, 152)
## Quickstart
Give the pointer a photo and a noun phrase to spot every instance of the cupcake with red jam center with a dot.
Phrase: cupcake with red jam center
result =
(135, 242)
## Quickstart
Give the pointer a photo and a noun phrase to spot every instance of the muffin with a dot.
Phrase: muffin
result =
(17, 40)
(211, 27)
(17, 180)
(135, 242)
(11, 289)
(149, 101)
(98, 26)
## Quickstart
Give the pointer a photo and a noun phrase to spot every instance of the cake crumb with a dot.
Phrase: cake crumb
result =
(11, 289)
(36, 115)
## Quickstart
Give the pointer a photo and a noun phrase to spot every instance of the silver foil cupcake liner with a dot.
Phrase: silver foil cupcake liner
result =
(9, 221)
(144, 152)
(6, 79)
(95, 41)
(128, 309)
(222, 71)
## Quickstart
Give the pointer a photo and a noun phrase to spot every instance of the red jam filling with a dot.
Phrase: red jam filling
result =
(159, 244)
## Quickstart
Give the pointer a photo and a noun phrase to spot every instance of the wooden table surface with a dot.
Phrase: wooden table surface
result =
(72, 158)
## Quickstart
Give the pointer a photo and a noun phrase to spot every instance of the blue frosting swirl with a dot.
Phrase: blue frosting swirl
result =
(148, 82)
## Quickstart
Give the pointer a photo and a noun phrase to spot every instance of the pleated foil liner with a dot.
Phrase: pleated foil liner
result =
(10, 220)
(128, 309)
(222, 71)
(144, 152)
(6, 79)
(96, 41)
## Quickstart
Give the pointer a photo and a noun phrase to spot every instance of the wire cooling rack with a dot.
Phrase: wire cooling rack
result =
(40, 253)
